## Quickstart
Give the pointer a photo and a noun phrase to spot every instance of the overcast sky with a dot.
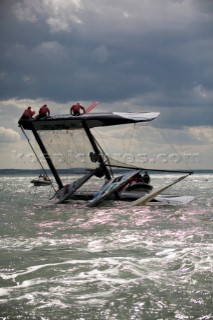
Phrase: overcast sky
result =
(138, 55)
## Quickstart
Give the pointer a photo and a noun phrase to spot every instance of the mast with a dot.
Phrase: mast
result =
(47, 157)
(97, 151)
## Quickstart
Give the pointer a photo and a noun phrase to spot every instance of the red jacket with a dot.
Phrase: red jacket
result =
(44, 110)
(28, 113)
(76, 108)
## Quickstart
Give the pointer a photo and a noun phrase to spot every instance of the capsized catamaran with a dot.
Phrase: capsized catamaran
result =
(102, 166)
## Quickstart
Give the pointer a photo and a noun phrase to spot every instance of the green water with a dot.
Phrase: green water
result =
(112, 262)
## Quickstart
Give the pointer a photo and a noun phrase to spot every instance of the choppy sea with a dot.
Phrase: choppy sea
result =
(112, 262)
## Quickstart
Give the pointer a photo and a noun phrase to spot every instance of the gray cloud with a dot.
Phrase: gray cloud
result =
(157, 54)
(8, 135)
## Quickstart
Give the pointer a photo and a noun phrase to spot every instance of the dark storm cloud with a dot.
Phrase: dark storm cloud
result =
(154, 53)
(205, 6)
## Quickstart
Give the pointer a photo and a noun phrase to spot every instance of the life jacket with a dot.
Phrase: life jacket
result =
(43, 110)
(28, 113)
(76, 108)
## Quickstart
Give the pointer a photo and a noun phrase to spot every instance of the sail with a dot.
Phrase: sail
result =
(126, 146)
(67, 140)
(125, 140)
(68, 149)
(142, 146)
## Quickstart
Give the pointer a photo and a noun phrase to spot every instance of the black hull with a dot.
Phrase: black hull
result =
(140, 186)
(124, 196)
(40, 183)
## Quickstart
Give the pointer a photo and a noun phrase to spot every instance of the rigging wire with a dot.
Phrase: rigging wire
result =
(172, 147)
(131, 137)
(35, 154)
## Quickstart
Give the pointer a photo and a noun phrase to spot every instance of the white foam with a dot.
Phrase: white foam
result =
(4, 292)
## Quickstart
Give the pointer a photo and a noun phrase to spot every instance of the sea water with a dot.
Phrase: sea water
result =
(113, 262)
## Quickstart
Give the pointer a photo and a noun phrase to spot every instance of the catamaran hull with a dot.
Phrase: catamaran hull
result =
(138, 194)
(140, 186)
(69, 122)
(127, 196)
(40, 183)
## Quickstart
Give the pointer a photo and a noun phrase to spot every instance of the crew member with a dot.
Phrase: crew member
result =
(146, 177)
(44, 177)
(44, 112)
(76, 108)
(27, 114)
(136, 179)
